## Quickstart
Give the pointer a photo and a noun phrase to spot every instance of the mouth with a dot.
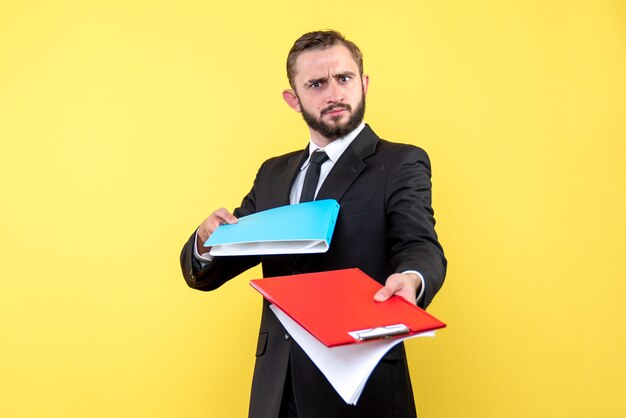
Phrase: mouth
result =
(336, 110)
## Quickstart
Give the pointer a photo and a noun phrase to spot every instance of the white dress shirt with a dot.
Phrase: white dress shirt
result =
(334, 150)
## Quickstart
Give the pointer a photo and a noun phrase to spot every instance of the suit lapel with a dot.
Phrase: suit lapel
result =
(346, 170)
(349, 166)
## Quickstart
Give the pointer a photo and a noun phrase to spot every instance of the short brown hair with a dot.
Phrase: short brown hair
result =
(323, 39)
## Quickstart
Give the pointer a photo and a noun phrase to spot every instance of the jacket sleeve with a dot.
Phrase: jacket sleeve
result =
(412, 240)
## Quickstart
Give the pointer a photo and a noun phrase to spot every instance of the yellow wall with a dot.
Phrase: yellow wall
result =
(123, 124)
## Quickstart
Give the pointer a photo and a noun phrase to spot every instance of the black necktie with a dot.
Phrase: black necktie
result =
(312, 176)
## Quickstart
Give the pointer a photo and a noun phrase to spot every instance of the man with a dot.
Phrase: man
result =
(385, 227)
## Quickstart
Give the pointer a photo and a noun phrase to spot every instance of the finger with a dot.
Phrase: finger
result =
(397, 284)
(225, 217)
(210, 224)
(383, 294)
(392, 285)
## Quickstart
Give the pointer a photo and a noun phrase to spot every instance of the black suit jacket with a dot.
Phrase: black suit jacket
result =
(385, 225)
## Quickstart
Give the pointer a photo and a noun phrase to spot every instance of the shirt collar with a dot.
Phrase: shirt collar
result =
(336, 147)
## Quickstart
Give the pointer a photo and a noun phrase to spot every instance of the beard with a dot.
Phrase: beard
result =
(335, 130)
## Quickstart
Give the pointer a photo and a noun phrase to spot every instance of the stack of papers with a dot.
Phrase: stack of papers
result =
(346, 367)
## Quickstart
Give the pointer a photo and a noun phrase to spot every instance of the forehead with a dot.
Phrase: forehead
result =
(318, 62)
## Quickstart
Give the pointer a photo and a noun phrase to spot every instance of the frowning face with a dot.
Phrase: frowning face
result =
(329, 92)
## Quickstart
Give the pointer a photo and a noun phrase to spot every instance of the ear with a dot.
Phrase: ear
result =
(292, 100)
(366, 82)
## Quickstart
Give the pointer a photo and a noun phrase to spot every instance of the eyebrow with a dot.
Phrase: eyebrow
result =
(345, 73)
(316, 80)
(323, 79)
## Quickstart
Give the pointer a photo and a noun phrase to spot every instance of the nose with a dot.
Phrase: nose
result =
(335, 93)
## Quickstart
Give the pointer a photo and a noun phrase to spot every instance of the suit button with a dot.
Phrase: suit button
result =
(287, 336)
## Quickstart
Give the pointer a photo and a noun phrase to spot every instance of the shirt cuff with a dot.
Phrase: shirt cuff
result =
(420, 296)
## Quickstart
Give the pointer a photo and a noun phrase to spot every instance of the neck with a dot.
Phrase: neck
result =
(319, 139)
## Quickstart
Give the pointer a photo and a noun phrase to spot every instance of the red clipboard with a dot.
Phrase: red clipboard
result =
(338, 307)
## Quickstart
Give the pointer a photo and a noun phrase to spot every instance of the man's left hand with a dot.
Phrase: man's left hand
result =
(406, 285)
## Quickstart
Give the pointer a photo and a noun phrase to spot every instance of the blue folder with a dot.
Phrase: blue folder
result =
(302, 228)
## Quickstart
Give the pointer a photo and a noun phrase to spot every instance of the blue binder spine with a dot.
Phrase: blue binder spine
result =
(333, 212)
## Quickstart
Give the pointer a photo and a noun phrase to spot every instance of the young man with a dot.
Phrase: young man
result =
(385, 227)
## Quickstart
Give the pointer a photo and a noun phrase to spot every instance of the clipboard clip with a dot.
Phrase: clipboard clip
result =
(380, 332)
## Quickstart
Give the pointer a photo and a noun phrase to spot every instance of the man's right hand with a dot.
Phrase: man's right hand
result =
(217, 218)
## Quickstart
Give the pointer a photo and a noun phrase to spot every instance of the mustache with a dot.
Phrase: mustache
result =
(336, 106)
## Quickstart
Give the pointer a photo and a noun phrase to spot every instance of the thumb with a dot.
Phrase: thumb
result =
(383, 294)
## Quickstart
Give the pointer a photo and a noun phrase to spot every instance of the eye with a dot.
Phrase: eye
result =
(344, 78)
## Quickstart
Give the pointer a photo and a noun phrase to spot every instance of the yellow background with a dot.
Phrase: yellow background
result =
(123, 124)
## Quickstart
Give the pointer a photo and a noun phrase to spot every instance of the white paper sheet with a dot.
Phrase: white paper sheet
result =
(346, 367)
(271, 248)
